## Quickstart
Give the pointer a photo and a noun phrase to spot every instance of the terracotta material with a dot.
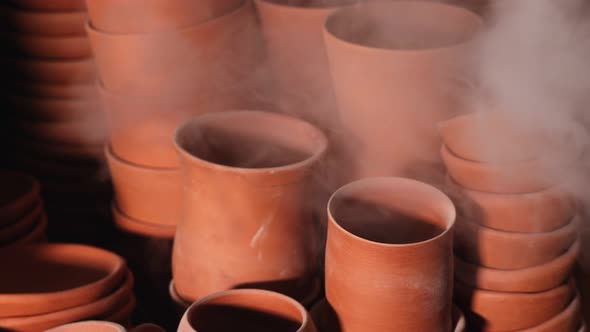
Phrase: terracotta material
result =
(18, 195)
(265, 181)
(36, 236)
(246, 310)
(393, 74)
(50, 71)
(170, 63)
(137, 16)
(510, 178)
(91, 130)
(533, 279)
(541, 211)
(511, 251)
(86, 311)
(568, 320)
(53, 5)
(64, 91)
(180, 302)
(21, 227)
(131, 225)
(123, 315)
(150, 195)
(68, 47)
(54, 109)
(496, 310)
(51, 277)
(89, 326)
(376, 226)
(44, 23)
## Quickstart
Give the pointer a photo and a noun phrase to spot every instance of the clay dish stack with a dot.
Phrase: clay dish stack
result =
(516, 240)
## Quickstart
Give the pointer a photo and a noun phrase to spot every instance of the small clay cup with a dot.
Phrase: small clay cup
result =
(53, 5)
(67, 47)
(141, 16)
(77, 71)
(511, 251)
(18, 195)
(538, 212)
(376, 226)
(528, 280)
(128, 224)
(150, 195)
(19, 228)
(495, 311)
(50, 108)
(44, 23)
(567, 320)
(47, 278)
(248, 310)
(50, 92)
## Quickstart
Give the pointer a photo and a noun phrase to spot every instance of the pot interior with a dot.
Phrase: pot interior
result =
(404, 25)
(246, 312)
(390, 211)
(250, 140)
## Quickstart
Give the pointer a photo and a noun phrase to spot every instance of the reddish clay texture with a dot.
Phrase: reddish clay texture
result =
(53, 5)
(391, 69)
(376, 226)
(541, 211)
(532, 279)
(567, 320)
(140, 16)
(46, 278)
(496, 310)
(18, 195)
(134, 226)
(265, 180)
(62, 108)
(44, 23)
(67, 47)
(51, 71)
(246, 310)
(511, 251)
(19, 228)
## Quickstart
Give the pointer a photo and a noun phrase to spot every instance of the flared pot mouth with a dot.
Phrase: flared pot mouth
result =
(403, 25)
(247, 307)
(250, 142)
(391, 211)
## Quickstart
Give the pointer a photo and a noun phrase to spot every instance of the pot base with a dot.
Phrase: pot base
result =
(128, 224)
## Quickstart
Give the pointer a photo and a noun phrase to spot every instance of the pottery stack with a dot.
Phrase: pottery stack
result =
(22, 214)
(159, 62)
(517, 229)
(46, 285)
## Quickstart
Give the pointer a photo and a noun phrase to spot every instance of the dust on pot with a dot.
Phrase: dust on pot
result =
(246, 310)
(384, 227)
(394, 79)
(246, 177)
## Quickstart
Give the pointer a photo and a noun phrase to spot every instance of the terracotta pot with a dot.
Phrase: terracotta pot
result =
(376, 226)
(53, 109)
(36, 236)
(392, 88)
(91, 130)
(509, 178)
(266, 182)
(246, 310)
(19, 193)
(21, 227)
(54, 92)
(67, 47)
(150, 195)
(568, 320)
(47, 278)
(170, 63)
(50, 71)
(97, 308)
(181, 303)
(293, 33)
(511, 251)
(533, 279)
(44, 23)
(137, 16)
(89, 326)
(496, 310)
(134, 226)
(53, 5)
(537, 212)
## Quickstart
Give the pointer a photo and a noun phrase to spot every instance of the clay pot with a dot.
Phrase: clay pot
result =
(246, 310)
(293, 33)
(50, 71)
(89, 326)
(123, 315)
(567, 320)
(18, 195)
(134, 226)
(21, 227)
(533, 279)
(36, 236)
(101, 306)
(149, 195)
(265, 180)
(53, 109)
(376, 226)
(140, 16)
(44, 23)
(47, 278)
(393, 75)
(53, 5)
(91, 130)
(179, 301)
(541, 211)
(170, 63)
(508, 178)
(511, 251)
(68, 47)
(496, 310)
(53, 92)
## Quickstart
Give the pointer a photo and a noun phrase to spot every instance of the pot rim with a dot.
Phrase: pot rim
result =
(567, 285)
(327, 31)
(111, 156)
(319, 136)
(305, 317)
(570, 227)
(33, 192)
(24, 225)
(393, 180)
(134, 226)
(88, 324)
(573, 306)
